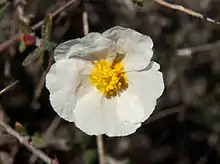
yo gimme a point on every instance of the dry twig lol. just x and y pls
(15, 39)
(190, 50)
(4, 46)
(185, 10)
(40, 85)
(165, 113)
(85, 23)
(24, 142)
(19, 5)
(8, 87)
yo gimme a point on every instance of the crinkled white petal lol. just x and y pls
(136, 47)
(91, 47)
(62, 50)
(95, 115)
(148, 86)
(113, 125)
(114, 33)
(89, 115)
(63, 82)
(129, 107)
(63, 103)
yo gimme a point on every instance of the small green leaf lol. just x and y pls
(90, 156)
(21, 47)
(2, 9)
(32, 57)
(46, 29)
(20, 129)
(38, 141)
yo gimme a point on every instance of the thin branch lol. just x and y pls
(52, 128)
(9, 86)
(2, 10)
(100, 147)
(10, 42)
(15, 39)
(56, 12)
(85, 23)
(25, 142)
(185, 10)
(40, 85)
(20, 4)
(190, 50)
(165, 113)
(2, 115)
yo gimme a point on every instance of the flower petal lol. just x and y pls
(136, 47)
(63, 103)
(62, 50)
(129, 107)
(95, 115)
(113, 125)
(148, 86)
(91, 47)
(63, 81)
(114, 33)
(89, 115)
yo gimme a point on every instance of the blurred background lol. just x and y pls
(185, 126)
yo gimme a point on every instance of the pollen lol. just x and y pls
(109, 78)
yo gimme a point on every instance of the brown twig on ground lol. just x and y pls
(185, 10)
(25, 142)
(15, 39)
(9, 86)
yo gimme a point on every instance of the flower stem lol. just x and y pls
(100, 147)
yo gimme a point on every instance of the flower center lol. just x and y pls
(109, 77)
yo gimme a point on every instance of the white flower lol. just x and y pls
(105, 83)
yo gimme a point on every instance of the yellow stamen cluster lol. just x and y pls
(109, 79)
